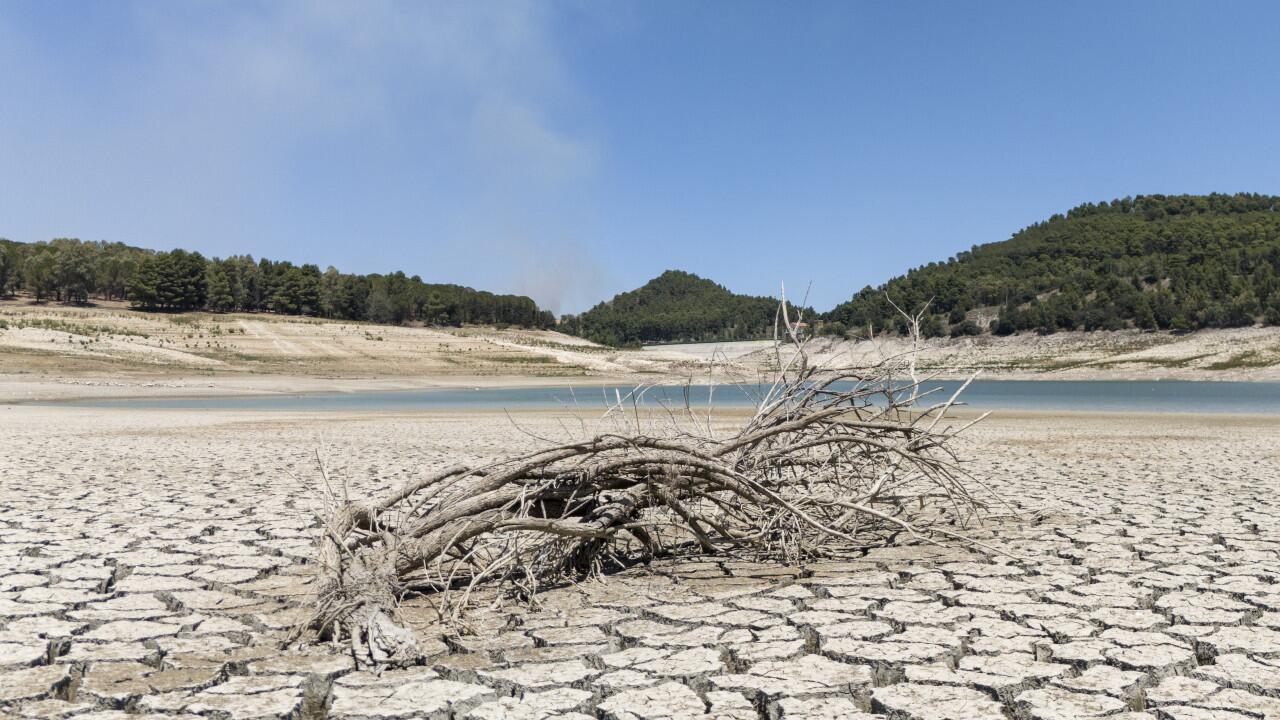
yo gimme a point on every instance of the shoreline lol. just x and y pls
(19, 390)
(305, 416)
(23, 390)
(57, 353)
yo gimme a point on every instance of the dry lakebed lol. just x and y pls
(151, 561)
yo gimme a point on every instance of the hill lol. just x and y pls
(73, 271)
(1180, 262)
(675, 307)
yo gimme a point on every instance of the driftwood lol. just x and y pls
(828, 459)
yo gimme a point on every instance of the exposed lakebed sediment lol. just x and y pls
(150, 563)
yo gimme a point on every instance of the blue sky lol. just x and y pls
(571, 150)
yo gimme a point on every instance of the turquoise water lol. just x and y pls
(1106, 396)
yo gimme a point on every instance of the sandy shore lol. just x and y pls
(1242, 354)
(53, 387)
(51, 352)
(150, 561)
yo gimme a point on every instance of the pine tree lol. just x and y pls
(143, 289)
(38, 272)
(1146, 318)
(73, 270)
(10, 263)
(219, 287)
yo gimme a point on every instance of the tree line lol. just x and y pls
(68, 270)
(1181, 262)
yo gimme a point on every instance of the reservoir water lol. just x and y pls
(1053, 395)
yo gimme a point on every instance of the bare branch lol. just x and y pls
(797, 479)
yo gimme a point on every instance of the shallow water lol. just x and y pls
(1060, 395)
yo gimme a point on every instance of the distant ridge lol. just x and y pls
(676, 306)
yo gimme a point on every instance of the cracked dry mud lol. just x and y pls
(151, 561)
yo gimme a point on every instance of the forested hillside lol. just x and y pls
(1179, 262)
(675, 307)
(75, 271)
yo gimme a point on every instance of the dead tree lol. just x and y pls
(829, 458)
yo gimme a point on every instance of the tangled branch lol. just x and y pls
(829, 460)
